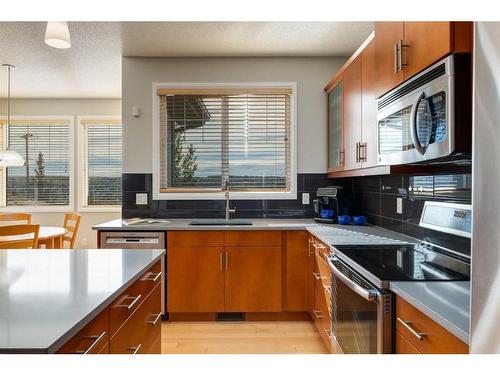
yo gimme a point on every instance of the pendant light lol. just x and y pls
(57, 35)
(10, 158)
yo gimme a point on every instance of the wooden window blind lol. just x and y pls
(102, 162)
(210, 135)
(44, 180)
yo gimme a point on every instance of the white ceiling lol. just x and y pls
(92, 67)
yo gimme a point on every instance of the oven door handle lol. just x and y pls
(368, 294)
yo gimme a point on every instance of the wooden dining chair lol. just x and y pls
(20, 218)
(23, 236)
(71, 224)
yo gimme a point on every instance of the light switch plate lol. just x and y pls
(305, 198)
(141, 199)
(399, 205)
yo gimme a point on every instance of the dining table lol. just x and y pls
(51, 237)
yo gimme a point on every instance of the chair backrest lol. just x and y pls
(71, 224)
(23, 236)
(16, 217)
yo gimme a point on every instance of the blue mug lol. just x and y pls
(359, 220)
(344, 219)
(326, 214)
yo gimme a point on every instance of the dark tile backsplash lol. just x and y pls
(376, 198)
(133, 183)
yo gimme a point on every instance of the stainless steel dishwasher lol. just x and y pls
(138, 240)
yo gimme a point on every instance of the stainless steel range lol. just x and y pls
(362, 308)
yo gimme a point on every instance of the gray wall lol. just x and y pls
(68, 107)
(310, 73)
(485, 303)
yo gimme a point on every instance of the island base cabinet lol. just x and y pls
(140, 332)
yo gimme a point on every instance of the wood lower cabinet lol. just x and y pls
(195, 279)
(253, 279)
(243, 273)
(136, 332)
(298, 266)
(415, 331)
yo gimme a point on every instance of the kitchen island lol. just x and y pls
(80, 301)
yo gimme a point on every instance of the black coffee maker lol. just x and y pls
(326, 203)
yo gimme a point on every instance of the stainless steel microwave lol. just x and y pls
(428, 118)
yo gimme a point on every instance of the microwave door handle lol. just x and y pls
(413, 124)
(367, 294)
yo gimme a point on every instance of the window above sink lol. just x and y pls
(204, 134)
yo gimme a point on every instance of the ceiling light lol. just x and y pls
(10, 158)
(57, 35)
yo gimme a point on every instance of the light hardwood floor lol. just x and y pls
(240, 338)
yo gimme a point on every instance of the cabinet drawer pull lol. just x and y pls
(328, 334)
(320, 247)
(155, 320)
(419, 335)
(319, 277)
(96, 339)
(157, 276)
(135, 299)
(328, 289)
(317, 314)
(135, 349)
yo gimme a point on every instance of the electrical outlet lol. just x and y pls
(141, 199)
(399, 205)
(305, 198)
(84, 241)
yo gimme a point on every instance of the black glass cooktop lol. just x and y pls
(404, 262)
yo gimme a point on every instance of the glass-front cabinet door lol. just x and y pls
(335, 128)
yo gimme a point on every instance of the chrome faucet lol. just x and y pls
(229, 211)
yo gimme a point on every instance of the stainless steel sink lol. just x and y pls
(221, 222)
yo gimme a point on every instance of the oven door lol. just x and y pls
(361, 313)
(419, 126)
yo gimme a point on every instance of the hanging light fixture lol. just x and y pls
(57, 35)
(10, 158)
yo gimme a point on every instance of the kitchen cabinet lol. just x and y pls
(368, 152)
(416, 332)
(352, 113)
(253, 279)
(403, 49)
(336, 153)
(195, 279)
(136, 331)
(298, 276)
(238, 271)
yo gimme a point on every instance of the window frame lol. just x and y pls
(53, 208)
(243, 195)
(82, 207)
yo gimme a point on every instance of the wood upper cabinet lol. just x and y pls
(195, 279)
(387, 37)
(352, 114)
(368, 148)
(336, 126)
(403, 49)
(253, 279)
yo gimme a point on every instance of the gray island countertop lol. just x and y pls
(47, 296)
(446, 302)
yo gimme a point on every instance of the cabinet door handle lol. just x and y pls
(221, 261)
(419, 335)
(94, 343)
(396, 54)
(227, 260)
(135, 349)
(357, 152)
(328, 334)
(309, 247)
(400, 53)
(328, 289)
(155, 320)
(318, 276)
(134, 301)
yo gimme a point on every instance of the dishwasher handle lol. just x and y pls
(132, 240)
(368, 294)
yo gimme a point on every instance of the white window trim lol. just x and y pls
(82, 207)
(68, 208)
(157, 195)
